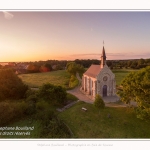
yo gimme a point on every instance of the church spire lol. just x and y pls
(103, 57)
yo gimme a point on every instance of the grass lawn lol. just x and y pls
(92, 124)
(35, 133)
(121, 73)
(60, 77)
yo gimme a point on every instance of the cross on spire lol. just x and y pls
(103, 42)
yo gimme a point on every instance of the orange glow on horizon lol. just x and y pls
(34, 36)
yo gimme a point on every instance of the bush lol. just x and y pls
(55, 128)
(42, 105)
(30, 92)
(11, 111)
(99, 103)
(31, 100)
(44, 113)
(53, 94)
(73, 81)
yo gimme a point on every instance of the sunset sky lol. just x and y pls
(69, 35)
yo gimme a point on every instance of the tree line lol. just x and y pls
(117, 64)
(35, 67)
(52, 65)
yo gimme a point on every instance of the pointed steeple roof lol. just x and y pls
(103, 58)
(103, 53)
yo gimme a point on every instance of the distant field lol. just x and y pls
(60, 77)
(122, 122)
(120, 74)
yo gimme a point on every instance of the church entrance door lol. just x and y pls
(104, 90)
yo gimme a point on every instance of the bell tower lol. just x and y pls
(103, 57)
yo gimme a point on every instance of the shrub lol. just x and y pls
(99, 103)
(30, 92)
(55, 128)
(11, 111)
(73, 81)
(53, 94)
(42, 105)
(31, 102)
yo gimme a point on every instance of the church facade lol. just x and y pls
(99, 79)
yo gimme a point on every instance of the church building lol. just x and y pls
(99, 79)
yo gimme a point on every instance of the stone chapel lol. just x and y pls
(99, 79)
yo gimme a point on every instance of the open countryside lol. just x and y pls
(57, 80)
(62, 77)
(111, 122)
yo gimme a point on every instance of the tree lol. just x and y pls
(129, 63)
(45, 68)
(99, 103)
(11, 86)
(53, 94)
(141, 61)
(136, 87)
(73, 68)
(48, 66)
(33, 68)
(134, 64)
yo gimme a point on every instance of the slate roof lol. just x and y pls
(93, 71)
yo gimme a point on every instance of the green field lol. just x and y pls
(60, 77)
(90, 124)
(120, 74)
(121, 123)
(36, 128)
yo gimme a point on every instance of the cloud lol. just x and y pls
(8, 15)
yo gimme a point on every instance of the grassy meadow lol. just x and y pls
(121, 73)
(60, 77)
(122, 122)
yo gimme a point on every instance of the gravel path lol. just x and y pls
(76, 92)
